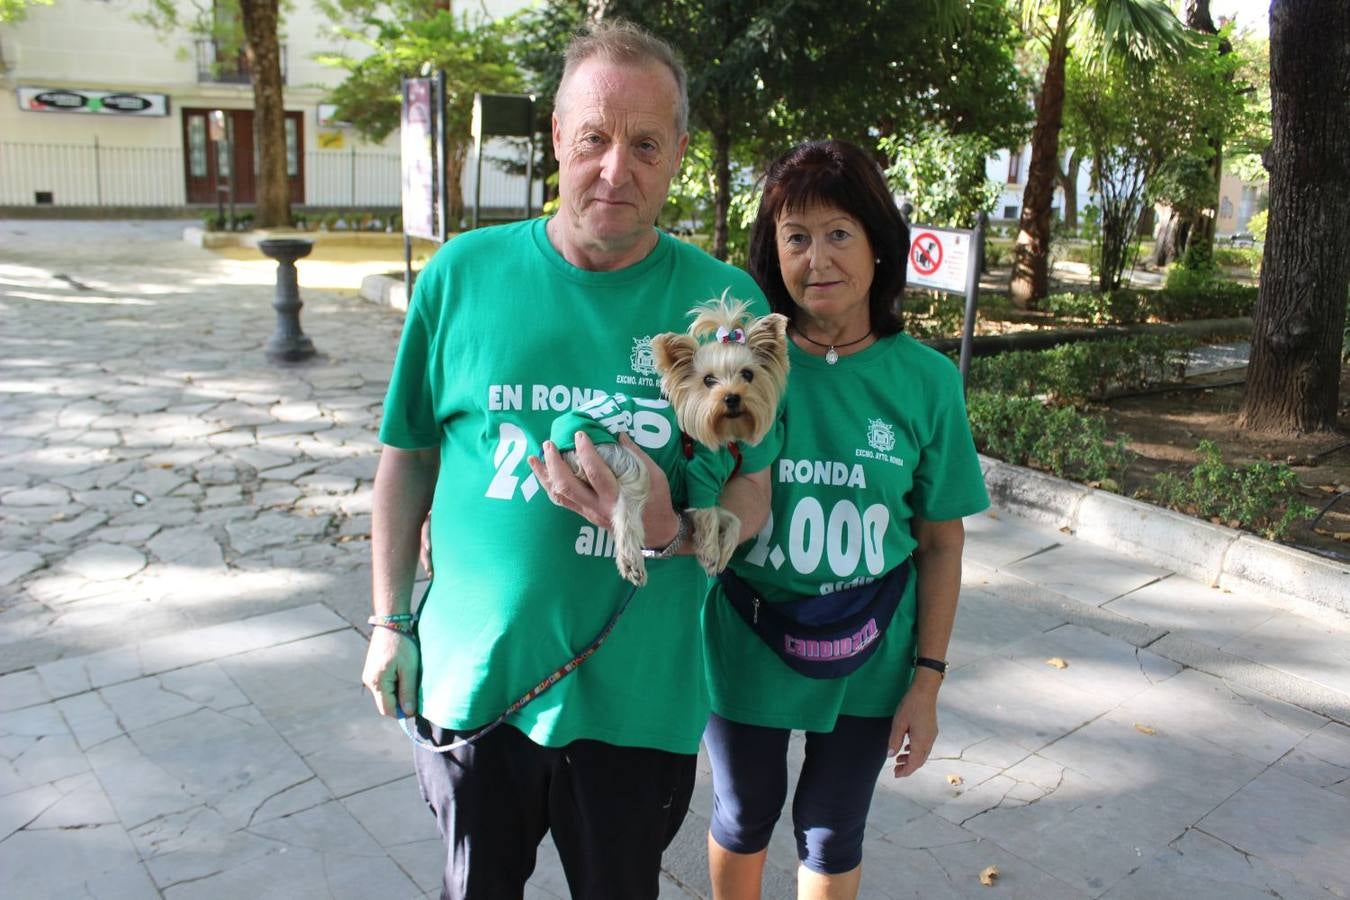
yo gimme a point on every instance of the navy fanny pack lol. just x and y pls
(826, 636)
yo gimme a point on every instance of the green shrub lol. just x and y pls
(1080, 372)
(1117, 307)
(934, 314)
(1257, 225)
(1259, 497)
(1247, 258)
(996, 253)
(1191, 294)
(1024, 432)
(1078, 253)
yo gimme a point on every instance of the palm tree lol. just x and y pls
(1138, 30)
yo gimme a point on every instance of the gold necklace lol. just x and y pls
(831, 354)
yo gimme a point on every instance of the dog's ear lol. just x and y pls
(767, 337)
(670, 351)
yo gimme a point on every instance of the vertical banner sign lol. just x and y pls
(418, 159)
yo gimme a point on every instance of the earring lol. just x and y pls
(878, 260)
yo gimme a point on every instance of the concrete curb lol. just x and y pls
(385, 291)
(1212, 554)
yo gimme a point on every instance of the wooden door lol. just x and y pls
(207, 169)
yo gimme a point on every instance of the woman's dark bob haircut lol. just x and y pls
(837, 174)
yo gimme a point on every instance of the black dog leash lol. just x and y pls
(410, 727)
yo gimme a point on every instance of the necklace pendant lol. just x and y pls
(831, 356)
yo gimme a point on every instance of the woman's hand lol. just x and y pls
(916, 719)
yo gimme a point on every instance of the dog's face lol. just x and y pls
(726, 386)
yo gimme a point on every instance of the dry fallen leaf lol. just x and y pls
(988, 875)
(1144, 729)
(955, 779)
(1056, 662)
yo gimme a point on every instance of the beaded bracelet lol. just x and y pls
(406, 632)
(404, 623)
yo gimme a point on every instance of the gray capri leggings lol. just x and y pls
(834, 790)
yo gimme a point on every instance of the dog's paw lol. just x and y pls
(632, 567)
(707, 540)
(728, 533)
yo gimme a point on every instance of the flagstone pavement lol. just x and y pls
(184, 543)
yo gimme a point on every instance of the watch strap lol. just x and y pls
(681, 535)
(937, 665)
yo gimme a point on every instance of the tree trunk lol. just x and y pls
(273, 204)
(722, 189)
(1293, 380)
(1143, 229)
(1068, 183)
(456, 154)
(1031, 256)
(1199, 247)
(1161, 257)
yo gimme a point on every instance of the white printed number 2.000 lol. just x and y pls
(512, 443)
(847, 538)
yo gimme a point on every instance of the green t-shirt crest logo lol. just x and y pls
(880, 435)
(642, 360)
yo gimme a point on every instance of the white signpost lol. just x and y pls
(950, 260)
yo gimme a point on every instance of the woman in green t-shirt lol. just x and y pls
(835, 620)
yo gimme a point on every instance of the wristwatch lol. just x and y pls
(681, 535)
(937, 665)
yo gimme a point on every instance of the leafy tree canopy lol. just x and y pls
(17, 10)
(474, 55)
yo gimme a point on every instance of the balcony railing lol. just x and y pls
(217, 67)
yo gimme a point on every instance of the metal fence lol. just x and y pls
(91, 174)
(95, 174)
(351, 178)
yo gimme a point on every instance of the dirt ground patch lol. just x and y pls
(1164, 428)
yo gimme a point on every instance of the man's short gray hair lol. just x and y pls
(624, 43)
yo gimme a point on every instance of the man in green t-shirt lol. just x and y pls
(509, 327)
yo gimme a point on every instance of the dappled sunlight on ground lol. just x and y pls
(331, 266)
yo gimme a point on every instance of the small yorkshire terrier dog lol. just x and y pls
(724, 378)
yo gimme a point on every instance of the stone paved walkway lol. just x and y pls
(183, 578)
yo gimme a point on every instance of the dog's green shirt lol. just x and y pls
(695, 475)
(870, 442)
(502, 336)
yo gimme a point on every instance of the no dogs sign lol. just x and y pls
(939, 259)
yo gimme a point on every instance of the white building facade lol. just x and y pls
(98, 109)
(1009, 168)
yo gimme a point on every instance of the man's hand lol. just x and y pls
(391, 671)
(593, 498)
